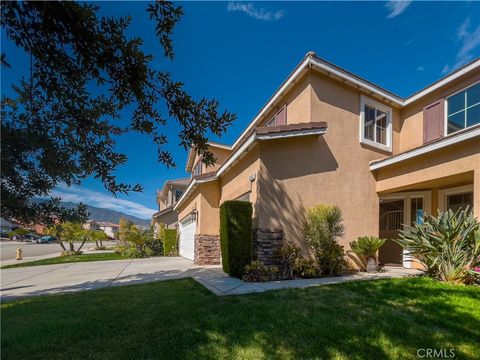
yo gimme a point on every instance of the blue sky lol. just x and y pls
(240, 52)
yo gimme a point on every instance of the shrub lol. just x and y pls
(446, 245)
(305, 268)
(322, 229)
(153, 247)
(140, 244)
(288, 255)
(170, 242)
(236, 236)
(259, 272)
(367, 247)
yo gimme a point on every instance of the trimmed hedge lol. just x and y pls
(236, 236)
(170, 243)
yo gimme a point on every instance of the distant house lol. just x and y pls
(7, 225)
(109, 228)
(167, 197)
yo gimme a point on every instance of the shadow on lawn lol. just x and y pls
(352, 320)
(385, 319)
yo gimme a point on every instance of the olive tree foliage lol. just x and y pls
(63, 119)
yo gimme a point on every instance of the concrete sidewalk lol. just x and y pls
(62, 278)
(221, 284)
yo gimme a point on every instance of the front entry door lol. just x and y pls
(392, 215)
(395, 212)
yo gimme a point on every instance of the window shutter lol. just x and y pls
(281, 116)
(433, 121)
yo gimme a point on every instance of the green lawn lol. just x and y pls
(180, 319)
(69, 259)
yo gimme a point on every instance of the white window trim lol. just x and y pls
(445, 117)
(388, 110)
(442, 194)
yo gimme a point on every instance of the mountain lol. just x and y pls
(101, 214)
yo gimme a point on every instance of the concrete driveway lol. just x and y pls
(49, 279)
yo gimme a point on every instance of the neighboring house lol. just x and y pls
(109, 228)
(7, 225)
(328, 136)
(167, 197)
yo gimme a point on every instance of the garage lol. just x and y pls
(187, 238)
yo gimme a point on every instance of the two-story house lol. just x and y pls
(329, 136)
(167, 197)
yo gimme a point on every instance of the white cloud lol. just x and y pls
(101, 200)
(409, 42)
(395, 8)
(469, 40)
(420, 68)
(254, 12)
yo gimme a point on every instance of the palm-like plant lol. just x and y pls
(323, 228)
(98, 236)
(446, 245)
(138, 238)
(367, 247)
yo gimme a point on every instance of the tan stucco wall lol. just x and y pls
(412, 115)
(169, 219)
(235, 182)
(456, 164)
(297, 100)
(332, 169)
(204, 199)
(221, 155)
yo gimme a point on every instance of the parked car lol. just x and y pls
(30, 237)
(46, 239)
(4, 234)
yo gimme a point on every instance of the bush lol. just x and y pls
(324, 226)
(154, 247)
(367, 247)
(236, 236)
(288, 255)
(305, 268)
(140, 244)
(258, 272)
(447, 245)
(170, 242)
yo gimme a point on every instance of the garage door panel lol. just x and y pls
(187, 239)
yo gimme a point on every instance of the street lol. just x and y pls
(8, 248)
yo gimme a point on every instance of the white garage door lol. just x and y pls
(187, 234)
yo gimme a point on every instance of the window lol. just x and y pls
(197, 170)
(416, 211)
(178, 194)
(463, 109)
(375, 128)
(244, 197)
(457, 201)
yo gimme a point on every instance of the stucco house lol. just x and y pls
(167, 197)
(109, 228)
(329, 136)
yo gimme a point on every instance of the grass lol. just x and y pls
(69, 259)
(180, 319)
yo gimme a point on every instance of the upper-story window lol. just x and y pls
(197, 170)
(178, 194)
(375, 124)
(463, 109)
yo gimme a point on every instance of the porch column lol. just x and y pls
(476, 193)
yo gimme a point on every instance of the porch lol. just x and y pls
(423, 181)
